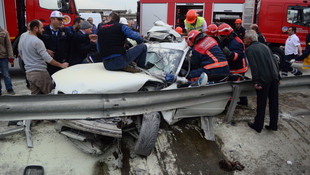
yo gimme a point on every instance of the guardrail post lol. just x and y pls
(233, 103)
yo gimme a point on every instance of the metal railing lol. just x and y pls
(86, 106)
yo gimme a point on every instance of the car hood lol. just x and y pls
(95, 79)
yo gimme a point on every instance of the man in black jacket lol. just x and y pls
(260, 36)
(266, 79)
(82, 44)
(56, 40)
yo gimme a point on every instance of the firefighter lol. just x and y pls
(240, 31)
(234, 50)
(207, 56)
(179, 30)
(212, 32)
(194, 22)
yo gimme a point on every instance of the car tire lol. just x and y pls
(148, 134)
(278, 54)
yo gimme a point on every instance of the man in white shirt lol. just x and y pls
(292, 50)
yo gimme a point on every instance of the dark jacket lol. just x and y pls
(261, 38)
(60, 44)
(80, 48)
(264, 68)
(112, 39)
(207, 57)
(240, 32)
(236, 60)
(307, 50)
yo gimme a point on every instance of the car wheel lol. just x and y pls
(148, 134)
(278, 54)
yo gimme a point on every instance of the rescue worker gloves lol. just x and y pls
(191, 16)
(226, 51)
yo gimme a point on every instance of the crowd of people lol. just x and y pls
(217, 49)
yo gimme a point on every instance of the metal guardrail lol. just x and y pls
(86, 106)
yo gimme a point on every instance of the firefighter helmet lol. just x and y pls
(191, 16)
(191, 36)
(211, 30)
(224, 29)
(238, 21)
(179, 30)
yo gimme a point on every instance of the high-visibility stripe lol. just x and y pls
(236, 56)
(239, 71)
(12, 37)
(212, 56)
(194, 79)
(216, 65)
(243, 62)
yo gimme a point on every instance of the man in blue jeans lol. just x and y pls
(111, 42)
(5, 53)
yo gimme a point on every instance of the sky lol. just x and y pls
(107, 4)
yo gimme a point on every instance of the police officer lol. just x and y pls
(234, 50)
(207, 56)
(194, 22)
(56, 40)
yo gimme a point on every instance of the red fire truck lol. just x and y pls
(273, 16)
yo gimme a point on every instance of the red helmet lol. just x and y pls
(211, 30)
(191, 36)
(224, 29)
(191, 16)
(179, 30)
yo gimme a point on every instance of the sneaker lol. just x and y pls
(131, 69)
(11, 91)
(284, 74)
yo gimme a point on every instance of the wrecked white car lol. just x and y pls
(167, 52)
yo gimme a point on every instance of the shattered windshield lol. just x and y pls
(159, 59)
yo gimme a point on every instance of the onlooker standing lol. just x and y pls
(292, 50)
(239, 29)
(131, 25)
(261, 37)
(35, 57)
(266, 79)
(76, 25)
(6, 52)
(82, 44)
(104, 21)
(94, 28)
(56, 40)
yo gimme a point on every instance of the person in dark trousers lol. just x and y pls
(56, 40)
(76, 25)
(261, 37)
(292, 50)
(239, 29)
(6, 52)
(83, 43)
(111, 42)
(207, 56)
(266, 79)
(234, 50)
(306, 53)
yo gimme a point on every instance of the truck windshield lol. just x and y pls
(49, 4)
(298, 15)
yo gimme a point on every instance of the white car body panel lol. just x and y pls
(95, 79)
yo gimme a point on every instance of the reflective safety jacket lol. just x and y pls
(207, 57)
(236, 60)
(198, 26)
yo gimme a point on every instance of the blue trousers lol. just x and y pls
(137, 54)
(4, 66)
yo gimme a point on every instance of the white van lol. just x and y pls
(96, 17)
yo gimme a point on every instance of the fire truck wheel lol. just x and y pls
(148, 134)
(278, 54)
